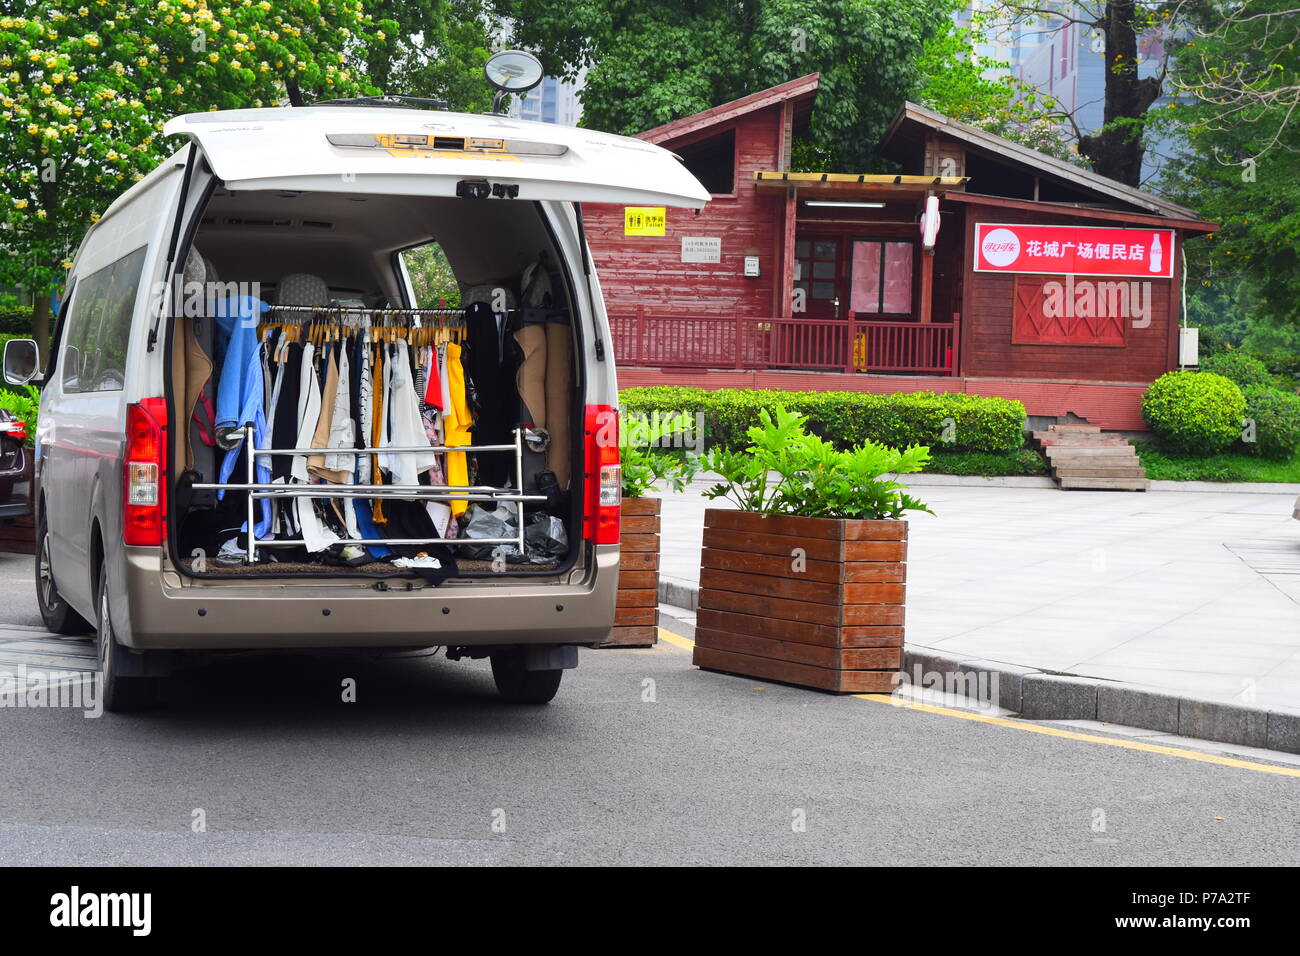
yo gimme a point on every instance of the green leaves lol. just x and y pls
(1241, 164)
(25, 402)
(785, 470)
(644, 467)
(1198, 412)
(84, 91)
(955, 421)
(652, 63)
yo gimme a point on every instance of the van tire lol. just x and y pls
(517, 685)
(119, 694)
(56, 613)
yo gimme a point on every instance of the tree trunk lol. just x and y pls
(1116, 150)
(41, 325)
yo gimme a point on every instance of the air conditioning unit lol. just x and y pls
(1189, 346)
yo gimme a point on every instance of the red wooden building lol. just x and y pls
(1045, 282)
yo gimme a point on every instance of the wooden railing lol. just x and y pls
(727, 342)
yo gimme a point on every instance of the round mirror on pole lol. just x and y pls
(512, 71)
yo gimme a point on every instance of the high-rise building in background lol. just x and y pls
(553, 101)
(1067, 61)
(1000, 40)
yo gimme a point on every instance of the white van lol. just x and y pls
(306, 222)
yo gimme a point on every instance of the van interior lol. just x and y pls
(342, 360)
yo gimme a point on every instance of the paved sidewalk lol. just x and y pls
(1194, 593)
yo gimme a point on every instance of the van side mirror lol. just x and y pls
(21, 361)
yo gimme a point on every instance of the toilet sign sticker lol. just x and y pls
(645, 220)
(1074, 250)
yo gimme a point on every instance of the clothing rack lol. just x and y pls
(326, 311)
(356, 317)
(258, 490)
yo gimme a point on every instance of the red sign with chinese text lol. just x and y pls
(1074, 250)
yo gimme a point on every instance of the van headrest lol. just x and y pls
(490, 294)
(301, 288)
(195, 271)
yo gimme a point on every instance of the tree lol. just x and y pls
(651, 63)
(979, 91)
(437, 49)
(84, 92)
(1237, 73)
(1116, 149)
(432, 278)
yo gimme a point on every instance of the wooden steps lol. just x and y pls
(1083, 457)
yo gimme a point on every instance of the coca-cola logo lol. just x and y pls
(1001, 247)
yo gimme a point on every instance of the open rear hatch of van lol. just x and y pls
(431, 260)
(421, 153)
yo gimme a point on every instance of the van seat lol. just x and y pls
(302, 288)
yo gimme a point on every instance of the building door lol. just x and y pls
(820, 277)
(881, 278)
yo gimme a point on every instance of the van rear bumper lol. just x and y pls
(248, 615)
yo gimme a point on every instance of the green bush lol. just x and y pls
(988, 464)
(1197, 412)
(16, 322)
(1287, 367)
(1244, 369)
(1276, 418)
(943, 421)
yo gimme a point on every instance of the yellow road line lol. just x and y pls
(676, 640)
(1183, 752)
(1186, 754)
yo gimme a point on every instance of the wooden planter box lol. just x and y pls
(831, 619)
(636, 617)
(18, 535)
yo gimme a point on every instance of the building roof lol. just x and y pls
(1192, 225)
(913, 122)
(800, 92)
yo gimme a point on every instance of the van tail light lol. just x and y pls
(15, 430)
(603, 487)
(144, 482)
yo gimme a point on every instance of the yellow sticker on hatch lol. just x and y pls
(644, 220)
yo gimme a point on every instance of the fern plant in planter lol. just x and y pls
(804, 581)
(645, 467)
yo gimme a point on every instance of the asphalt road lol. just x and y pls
(428, 767)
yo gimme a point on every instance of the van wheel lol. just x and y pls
(57, 613)
(120, 694)
(519, 686)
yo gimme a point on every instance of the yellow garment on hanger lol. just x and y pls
(456, 426)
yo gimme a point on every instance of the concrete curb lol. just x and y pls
(679, 593)
(1248, 487)
(1044, 695)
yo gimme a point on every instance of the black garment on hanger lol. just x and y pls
(410, 519)
(354, 389)
(284, 426)
(491, 360)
